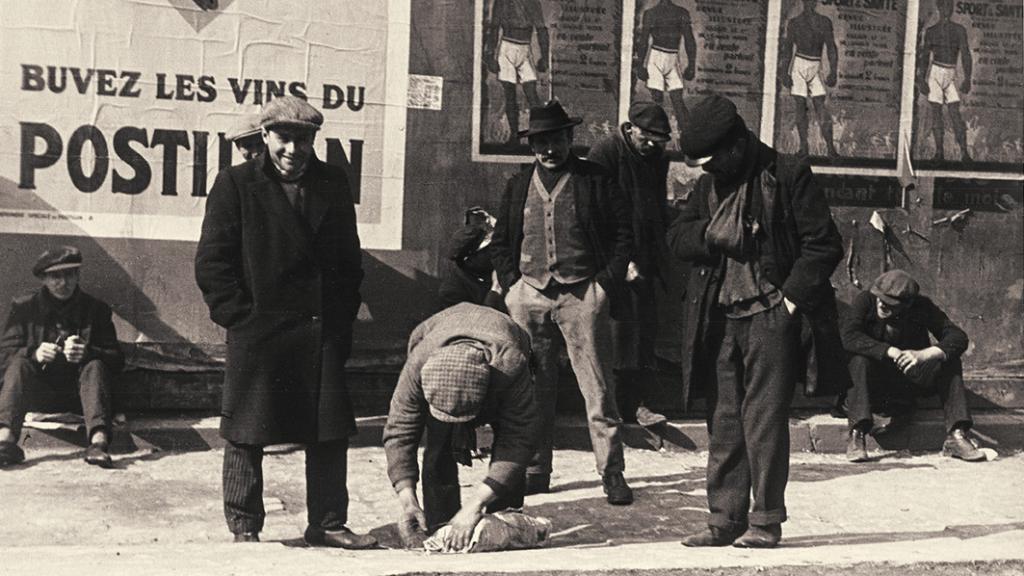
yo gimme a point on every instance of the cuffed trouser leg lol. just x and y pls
(94, 383)
(749, 445)
(858, 397)
(243, 487)
(327, 484)
(18, 376)
(441, 494)
(582, 313)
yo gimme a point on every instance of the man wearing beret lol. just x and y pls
(247, 136)
(635, 155)
(59, 350)
(763, 246)
(892, 360)
(279, 266)
(560, 249)
(468, 365)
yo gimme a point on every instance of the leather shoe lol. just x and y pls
(538, 484)
(247, 537)
(619, 493)
(649, 418)
(760, 537)
(10, 454)
(957, 445)
(856, 447)
(96, 454)
(341, 538)
(711, 536)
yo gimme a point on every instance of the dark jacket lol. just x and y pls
(39, 318)
(509, 403)
(602, 211)
(863, 331)
(468, 275)
(644, 181)
(799, 248)
(286, 288)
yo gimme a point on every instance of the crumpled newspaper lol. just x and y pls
(507, 530)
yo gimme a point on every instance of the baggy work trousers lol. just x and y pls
(59, 387)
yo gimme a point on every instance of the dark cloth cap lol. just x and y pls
(55, 259)
(549, 117)
(290, 111)
(455, 380)
(651, 118)
(248, 125)
(895, 287)
(711, 121)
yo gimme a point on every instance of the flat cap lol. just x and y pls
(712, 121)
(895, 287)
(55, 259)
(248, 125)
(455, 380)
(290, 111)
(651, 118)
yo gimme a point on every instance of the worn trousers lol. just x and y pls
(59, 387)
(636, 379)
(442, 498)
(326, 486)
(749, 427)
(581, 314)
(878, 385)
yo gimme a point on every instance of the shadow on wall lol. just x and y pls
(394, 302)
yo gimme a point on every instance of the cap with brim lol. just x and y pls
(712, 122)
(895, 287)
(652, 119)
(455, 380)
(290, 112)
(248, 125)
(550, 117)
(57, 259)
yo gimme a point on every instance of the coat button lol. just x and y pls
(315, 318)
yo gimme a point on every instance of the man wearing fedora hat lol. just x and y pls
(635, 155)
(467, 365)
(279, 266)
(763, 246)
(892, 360)
(59, 351)
(560, 249)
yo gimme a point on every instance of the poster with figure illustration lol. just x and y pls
(839, 81)
(532, 51)
(969, 86)
(682, 48)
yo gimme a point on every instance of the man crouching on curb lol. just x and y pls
(467, 365)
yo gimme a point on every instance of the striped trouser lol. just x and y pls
(326, 489)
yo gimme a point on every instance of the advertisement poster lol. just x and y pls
(116, 113)
(969, 86)
(687, 47)
(532, 51)
(840, 79)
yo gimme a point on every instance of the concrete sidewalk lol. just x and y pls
(159, 512)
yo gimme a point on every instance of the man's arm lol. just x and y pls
(833, 56)
(407, 418)
(853, 323)
(103, 344)
(785, 57)
(350, 265)
(690, 45)
(218, 262)
(950, 338)
(515, 435)
(619, 210)
(965, 59)
(501, 242)
(685, 235)
(14, 341)
(924, 53)
(543, 38)
(491, 36)
(640, 40)
(821, 246)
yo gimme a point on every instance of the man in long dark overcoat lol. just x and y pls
(763, 246)
(279, 265)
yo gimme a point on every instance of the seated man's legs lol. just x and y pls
(94, 384)
(949, 385)
(19, 378)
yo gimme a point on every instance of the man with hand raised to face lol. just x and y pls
(279, 266)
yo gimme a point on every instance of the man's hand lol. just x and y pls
(461, 528)
(633, 272)
(922, 86)
(785, 79)
(965, 86)
(641, 71)
(542, 65)
(831, 79)
(689, 73)
(412, 522)
(46, 352)
(893, 353)
(74, 349)
(919, 365)
(492, 65)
